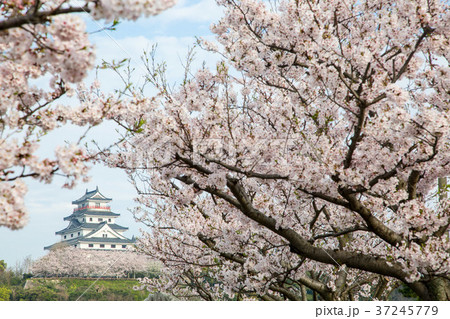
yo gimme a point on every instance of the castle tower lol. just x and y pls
(92, 225)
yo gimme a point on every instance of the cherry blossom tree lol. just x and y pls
(45, 42)
(308, 159)
(75, 262)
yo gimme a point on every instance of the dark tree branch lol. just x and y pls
(340, 233)
(286, 292)
(246, 173)
(356, 136)
(36, 17)
(193, 165)
(413, 179)
(328, 198)
(426, 31)
(373, 223)
(304, 248)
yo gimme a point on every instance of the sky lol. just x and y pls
(174, 31)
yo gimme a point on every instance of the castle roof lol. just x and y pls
(89, 212)
(93, 240)
(92, 195)
(76, 225)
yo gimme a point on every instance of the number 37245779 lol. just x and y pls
(406, 310)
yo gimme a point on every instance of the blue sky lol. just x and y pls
(174, 31)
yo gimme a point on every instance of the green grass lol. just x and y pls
(82, 289)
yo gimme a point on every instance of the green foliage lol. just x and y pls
(13, 283)
(2, 265)
(40, 294)
(138, 126)
(87, 289)
(408, 293)
(27, 276)
(5, 293)
(9, 278)
(17, 280)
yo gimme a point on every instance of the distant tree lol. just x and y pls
(40, 293)
(45, 42)
(75, 262)
(5, 293)
(311, 164)
(23, 267)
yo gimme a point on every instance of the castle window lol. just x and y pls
(100, 219)
(113, 246)
(105, 235)
(102, 246)
(78, 233)
(90, 219)
(124, 246)
(91, 245)
(65, 236)
(109, 220)
(71, 235)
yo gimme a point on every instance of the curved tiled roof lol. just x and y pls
(85, 212)
(90, 195)
(94, 240)
(107, 240)
(75, 225)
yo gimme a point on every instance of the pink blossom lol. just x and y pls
(57, 46)
(317, 161)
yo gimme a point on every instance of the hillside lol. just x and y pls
(70, 289)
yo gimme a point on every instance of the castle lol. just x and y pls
(92, 225)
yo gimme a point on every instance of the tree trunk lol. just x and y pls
(304, 293)
(436, 289)
(439, 289)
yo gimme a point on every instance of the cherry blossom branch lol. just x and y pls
(356, 135)
(355, 181)
(373, 223)
(285, 292)
(328, 198)
(426, 31)
(245, 173)
(234, 258)
(340, 233)
(38, 17)
(321, 288)
(301, 246)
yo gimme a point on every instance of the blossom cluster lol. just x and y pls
(110, 10)
(13, 207)
(75, 262)
(39, 63)
(318, 158)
